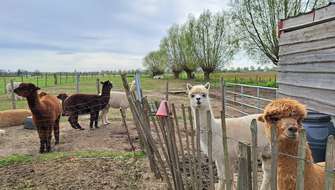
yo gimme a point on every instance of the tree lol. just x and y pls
(213, 43)
(256, 22)
(169, 44)
(156, 62)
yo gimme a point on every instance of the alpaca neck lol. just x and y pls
(34, 103)
(105, 91)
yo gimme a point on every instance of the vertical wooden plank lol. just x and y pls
(253, 128)
(301, 160)
(210, 151)
(97, 84)
(193, 155)
(329, 170)
(36, 80)
(167, 90)
(5, 85)
(242, 182)
(188, 150)
(274, 157)
(13, 94)
(199, 160)
(45, 79)
(224, 139)
(126, 127)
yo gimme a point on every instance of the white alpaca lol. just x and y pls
(10, 90)
(117, 100)
(237, 128)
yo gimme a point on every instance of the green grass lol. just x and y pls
(88, 83)
(16, 159)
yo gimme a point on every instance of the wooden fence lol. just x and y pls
(172, 144)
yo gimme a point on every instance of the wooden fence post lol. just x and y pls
(13, 95)
(36, 80)
(301, 160)
(5, 85)
(210, 151)
(77, 82)
(55, 79)
(274, 157)
(21, 78)
(253, 128)
(60, 78)
(199, 169)
(45, 79)
(98, 86)
(243, 182)
(329, 170)
(224, 139)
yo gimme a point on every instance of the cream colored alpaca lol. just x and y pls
(237, 128)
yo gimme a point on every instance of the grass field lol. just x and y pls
(67, 83)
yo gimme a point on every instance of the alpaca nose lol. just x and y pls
(198, 98)
(293, 129)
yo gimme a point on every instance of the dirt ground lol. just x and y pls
(81, 173)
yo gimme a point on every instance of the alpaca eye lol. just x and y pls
(204, 95)
(192, 95)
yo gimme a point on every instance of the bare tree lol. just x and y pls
(256, 21)
(213, 42)
(156, 62)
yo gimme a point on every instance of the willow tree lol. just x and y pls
(257, 23)
(155, 62)
(213, 42)
(170, 45)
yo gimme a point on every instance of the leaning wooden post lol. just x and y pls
(98, 86)
(13, 95)
(329, 170)
(253, 128)
(126, 127)
(210, 151)
(274, 156)
(224, 139)
(301, 160)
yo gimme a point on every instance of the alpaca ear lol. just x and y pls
(37, 88)
(188, 86)
(207, 85)
(101, 82)
(261, 118)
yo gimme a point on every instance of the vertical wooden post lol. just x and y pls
(60, 78)
(253, 128)
(126, 127)
(36, 80)
(45, 79)
(274, 157)
(13, 95)
(55, 79)
(224, 139)
(243, 182)
(5, 85)
(21, 78)
(210, 151)
(190, 165)
(301, 160)
(194, 172)
(329, 170)
(98, 86)
(167, 90)
(77, 82)
(199, 169)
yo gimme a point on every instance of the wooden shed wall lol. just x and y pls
(307, 59)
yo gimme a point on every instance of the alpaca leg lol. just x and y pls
(42, 139)
(77, 123)
(56, 131)
(96, 119)
(92, 119)
(106, 117)
(71, 120)
(48, 139)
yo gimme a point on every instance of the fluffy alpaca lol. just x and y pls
(117, 100)
(10, 90)
(15, 117)
(286, 115)
(78, 104)
(46, 111)
(237, 128)
(62, 97)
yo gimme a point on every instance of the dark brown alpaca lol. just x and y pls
(46, 111)
(78, 104)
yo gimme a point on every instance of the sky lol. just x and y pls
(90, 35)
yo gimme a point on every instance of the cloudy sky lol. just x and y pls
(90, 35)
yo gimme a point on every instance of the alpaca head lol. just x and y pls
(26, 89)
(199, 96)
(62, 96)
(106, 86)
(286, 115)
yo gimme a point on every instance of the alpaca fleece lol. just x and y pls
(46, 111)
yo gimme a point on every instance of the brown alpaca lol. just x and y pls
(286, 115)
(62, 97)
(78, 104)
(46, 111)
